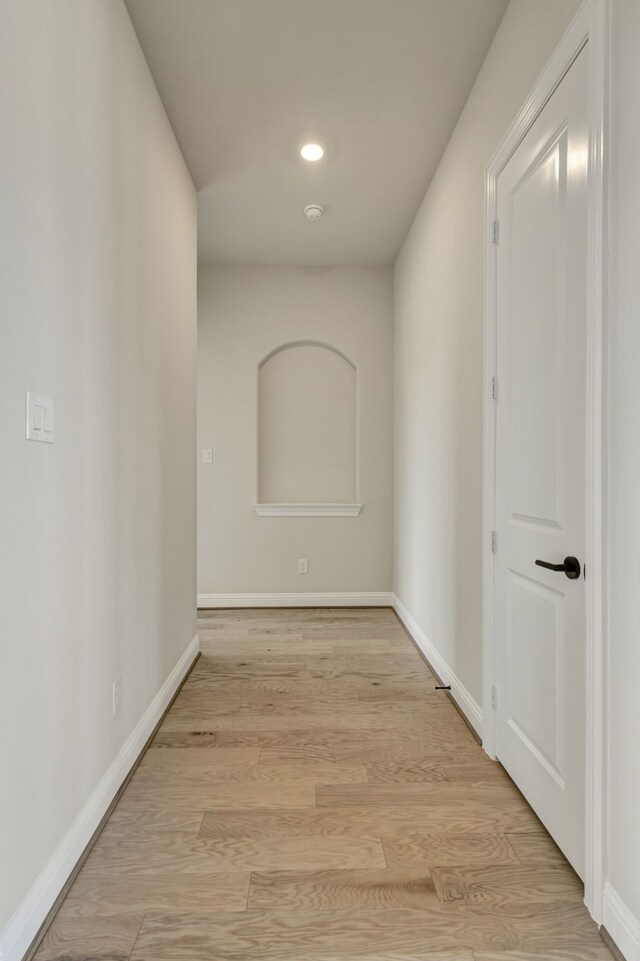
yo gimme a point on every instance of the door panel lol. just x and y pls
(537, 670)
(540, 462)
(535, 309)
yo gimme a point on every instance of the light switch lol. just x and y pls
(40, 418)
(207, 457)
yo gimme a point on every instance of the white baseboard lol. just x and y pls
(17, 937)
(361, 599)
(621, 924)
(467, 704)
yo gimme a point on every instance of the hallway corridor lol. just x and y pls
(311, 797)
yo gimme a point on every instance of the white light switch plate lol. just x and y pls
(207, 456)
(41, 413)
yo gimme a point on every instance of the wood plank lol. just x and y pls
(96, 938)
(339, 795)
(405, 770)
(206, 771)
(581, 951)
(423, 712)
(412, 724)
(297, 752)
(154, 857)
(533, 883)
(366, 645)
(411, 678)
(448, 849)
(368, 665)
(213, 740)
(209, 722)
(177, 760)
(97, 895)
(403, 762)
(252, 702)
(396, 745)
(194, 794)
(291, 646)
(476, 771)
(197, 706)
(536, 848)
(138, 822)
(376, 690)
(233, 665)
(414, 824)
(324, 890)
(359, 746)
(247, 688)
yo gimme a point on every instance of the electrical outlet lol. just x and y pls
(117, 694)
(302, 565)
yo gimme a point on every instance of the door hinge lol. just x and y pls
(495, 234)
(492, 542)
(494, 388)
(494, 697)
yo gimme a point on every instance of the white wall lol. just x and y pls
(438, 353)
(98, 311)
(243, 314)
(623, 857)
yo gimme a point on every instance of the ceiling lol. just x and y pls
(380, 82)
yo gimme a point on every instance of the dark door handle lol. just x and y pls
(570, 567)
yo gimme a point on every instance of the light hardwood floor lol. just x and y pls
(311, 797)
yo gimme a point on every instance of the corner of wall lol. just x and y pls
(461, 695)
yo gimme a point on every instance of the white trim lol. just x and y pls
(325, 345)
(307, 510)
(359, 599)
(590, 26)
(26, 922)
(467, 704)
(596, 587)
(621, 924)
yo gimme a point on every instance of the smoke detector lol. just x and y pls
(313, 211)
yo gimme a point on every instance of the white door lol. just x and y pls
(540, 463)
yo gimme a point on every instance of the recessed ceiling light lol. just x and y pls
(312, 152)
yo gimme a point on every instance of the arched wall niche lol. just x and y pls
(307, 429)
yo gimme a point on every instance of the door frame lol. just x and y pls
(590, 28)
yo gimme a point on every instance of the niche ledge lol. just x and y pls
(307, 510)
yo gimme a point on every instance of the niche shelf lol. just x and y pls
(307, 510)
